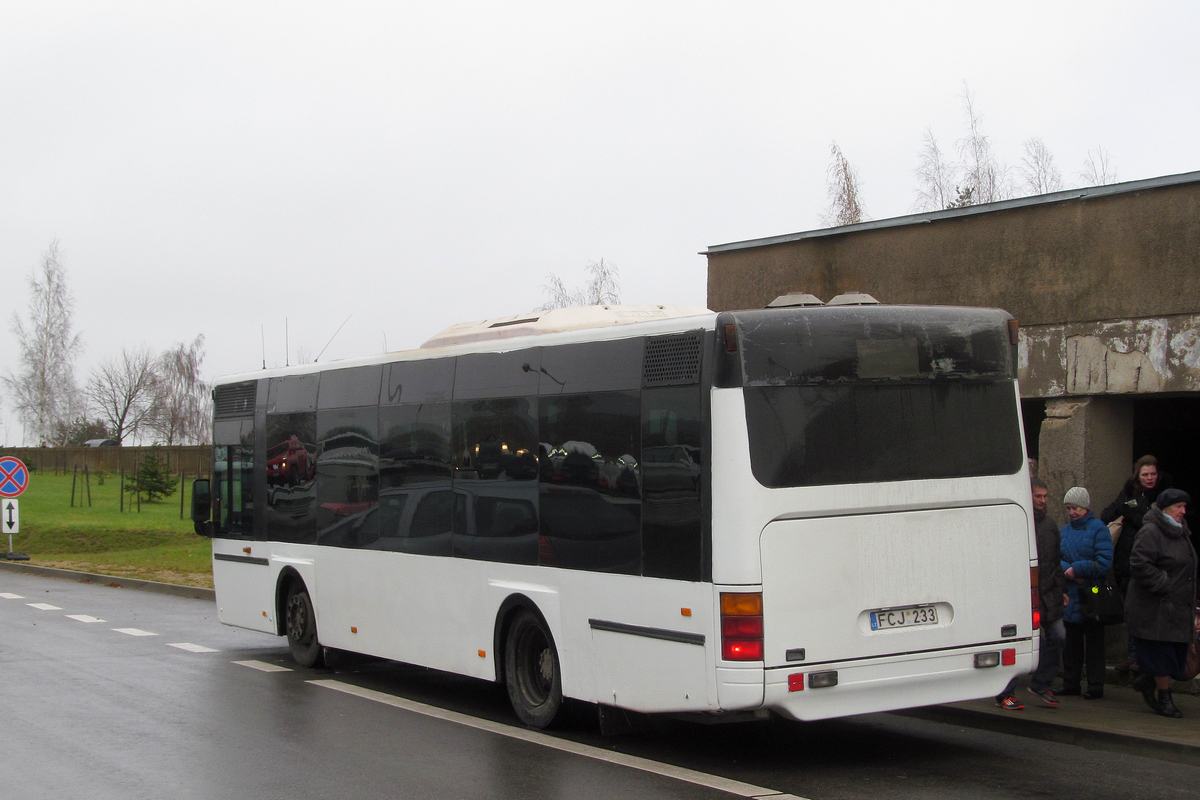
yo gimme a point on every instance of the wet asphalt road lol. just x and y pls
(87, 711)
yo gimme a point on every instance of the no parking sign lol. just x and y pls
(14, 479)
(14, 476)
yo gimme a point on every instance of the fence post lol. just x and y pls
(87, 479)
(74, 475)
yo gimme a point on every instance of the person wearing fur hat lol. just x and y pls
(1087, 555)
(1162, 596)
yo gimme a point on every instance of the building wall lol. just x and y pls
(1128, 255)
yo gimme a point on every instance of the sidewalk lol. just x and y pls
(1120, 721)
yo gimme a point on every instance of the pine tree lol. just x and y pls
(152, 477)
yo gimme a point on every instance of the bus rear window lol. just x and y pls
(874, 432)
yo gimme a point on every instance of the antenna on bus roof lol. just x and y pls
(331, 338)
(286, 345)
(262, 332)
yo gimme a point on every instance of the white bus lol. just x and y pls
(812, 511)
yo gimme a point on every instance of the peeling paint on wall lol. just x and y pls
(1095, 368)
(1138, 356)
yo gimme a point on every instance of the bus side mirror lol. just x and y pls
(201, 506)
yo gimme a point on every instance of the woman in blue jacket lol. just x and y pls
(1087, 555)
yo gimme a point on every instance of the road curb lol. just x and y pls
(110, 580)
(1033, 728)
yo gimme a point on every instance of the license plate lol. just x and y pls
(903, 617)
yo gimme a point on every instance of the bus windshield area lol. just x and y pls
(869, 394)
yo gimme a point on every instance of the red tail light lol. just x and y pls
(1035, 598)
(546, 555)
(741, 626)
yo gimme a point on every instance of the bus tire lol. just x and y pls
(531, 671)
(300, 620)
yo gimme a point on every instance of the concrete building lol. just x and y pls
(1105, 282)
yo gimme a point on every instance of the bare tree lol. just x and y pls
(125, 392)
(184, 410)
(44, 392)
(982, 172)
(935, 178)
(842, 188)
(601, 289)
(1098, 169)
(1038, 169)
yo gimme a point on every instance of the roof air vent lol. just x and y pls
(794, 299)
(854, 299)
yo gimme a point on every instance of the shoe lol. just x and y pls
(1145, 685)
(1068, 691)
(1046, 697)
(1009, 703)
(1166, 705)
(1093, 694)
(1128, 665)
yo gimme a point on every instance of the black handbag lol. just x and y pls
(1100, 601)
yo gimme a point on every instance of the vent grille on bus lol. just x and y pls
(234, 400)
(672, 360)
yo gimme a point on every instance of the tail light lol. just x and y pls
(741, 626)
(546, 555)
(1035, 598)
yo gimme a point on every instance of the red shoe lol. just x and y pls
(1047, 697)
(1009, 703)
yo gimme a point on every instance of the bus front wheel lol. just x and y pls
(531, 671)
(301, 623)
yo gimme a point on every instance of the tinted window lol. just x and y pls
(429, 381)
(872, 432)
(346, 388)
(415, 501)
(233, 479)
(295, 393)
(672, 480)
(347, 477)
(591, 482)
(592, 367)
(291, 470)
(482, 375)
(496, 468)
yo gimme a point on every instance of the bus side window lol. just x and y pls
(672, 459)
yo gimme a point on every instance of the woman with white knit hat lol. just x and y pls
(1087, 555)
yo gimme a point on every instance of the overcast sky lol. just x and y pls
(216, 167)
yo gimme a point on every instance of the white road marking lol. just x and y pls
(192, 648)
(83, 618)
(11, 596)
(44, 606)
(134, 632)
(587, 751)
(262, 666)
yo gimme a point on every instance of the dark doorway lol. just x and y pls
(1033, 413)
(1169, 429)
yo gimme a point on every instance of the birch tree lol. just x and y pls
(1038, 169)
(43, 391)
(1098, 169)
(602, 288)
(184, 411)
(842, 189)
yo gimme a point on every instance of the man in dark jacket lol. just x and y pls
(1052, 587)
(1052, 595)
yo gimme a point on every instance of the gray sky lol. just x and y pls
(216, 167)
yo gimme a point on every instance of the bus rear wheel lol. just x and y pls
(301, 622)
(531, 671)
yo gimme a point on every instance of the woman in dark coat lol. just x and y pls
(1159, 608)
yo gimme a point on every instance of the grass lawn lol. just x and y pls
(154, 544)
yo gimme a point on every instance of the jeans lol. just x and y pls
(1054, 637)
